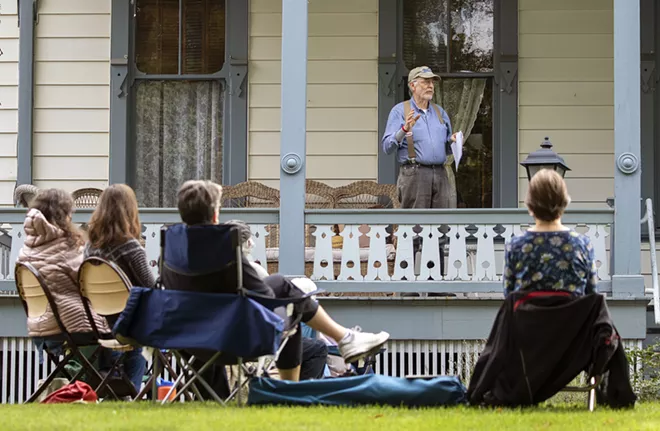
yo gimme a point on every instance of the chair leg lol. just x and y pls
(196, 375)
(154, 383)
(189, 396)
(91, 359)
(145, 389)
(239, 379)
(106, 380)
(59, 367)
(92, 371)
(592, 395)
(184, 371)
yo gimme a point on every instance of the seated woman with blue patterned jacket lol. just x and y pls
(549, 255)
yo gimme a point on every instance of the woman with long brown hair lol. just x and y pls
(114, 233)
(54, 246)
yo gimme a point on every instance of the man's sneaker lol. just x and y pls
(356, 344)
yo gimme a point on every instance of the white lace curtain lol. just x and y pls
(178, 137)
(461, 99)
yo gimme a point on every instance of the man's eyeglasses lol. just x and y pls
(426, 82)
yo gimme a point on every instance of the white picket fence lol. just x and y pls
(21, 369)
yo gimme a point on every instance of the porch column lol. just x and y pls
(26, 23)
(292, 140)
(627, 280)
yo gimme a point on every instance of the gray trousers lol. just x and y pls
(422, 186)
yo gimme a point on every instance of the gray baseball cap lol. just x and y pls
(422, 72)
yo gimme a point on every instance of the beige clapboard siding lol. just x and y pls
(557, 21)
(8, 100)
(342, 91)
(65, 144)
(318, 6)
(320, 96)
(570, 141)
(70, 185)
(566, 91)
(318, 72)
(72, 94)
(566, 94)
(566, 69)
(600, 166)
(319, 119)
(347, 167)
(564, 5)
(64, 168)
(318, 143)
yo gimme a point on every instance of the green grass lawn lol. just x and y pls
(143, 416)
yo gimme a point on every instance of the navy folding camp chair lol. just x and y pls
(234, 326)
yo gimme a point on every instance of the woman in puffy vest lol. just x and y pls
(54, 246)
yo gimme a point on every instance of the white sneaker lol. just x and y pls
(356, 344)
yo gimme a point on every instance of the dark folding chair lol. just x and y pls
(106, 288)
(592, 376)
(36, 298)
(233, 327)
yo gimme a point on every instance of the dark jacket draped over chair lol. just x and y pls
(542, 341)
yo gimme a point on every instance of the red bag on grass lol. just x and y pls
(74, 392)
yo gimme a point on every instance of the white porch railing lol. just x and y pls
(372, 250)
(468, 244)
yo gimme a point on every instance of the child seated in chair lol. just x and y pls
(199, 204)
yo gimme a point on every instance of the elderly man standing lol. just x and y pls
(420, 132)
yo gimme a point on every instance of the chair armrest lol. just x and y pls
(279, 302)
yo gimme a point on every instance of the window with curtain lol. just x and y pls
(179, 53)
(455, 38)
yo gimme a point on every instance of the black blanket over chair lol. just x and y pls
(541, 341)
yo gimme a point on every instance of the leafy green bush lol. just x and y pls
(645, 371)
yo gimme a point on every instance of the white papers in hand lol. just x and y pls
(457, 148)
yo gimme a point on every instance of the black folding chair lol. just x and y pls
(36, 298)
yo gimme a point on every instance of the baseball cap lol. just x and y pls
(422, 72)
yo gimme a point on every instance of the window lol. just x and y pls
(456, 39)
(179, 48)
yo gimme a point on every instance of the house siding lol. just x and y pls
(72, 94)
(342, 91)
(566, 76)
(8, 100)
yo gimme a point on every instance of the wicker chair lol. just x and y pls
(361, 194)
(24, 194)
(250, 194)
(86, 198)
(319, 195)
(366, 195)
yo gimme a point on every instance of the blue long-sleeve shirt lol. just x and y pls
(430, 136)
